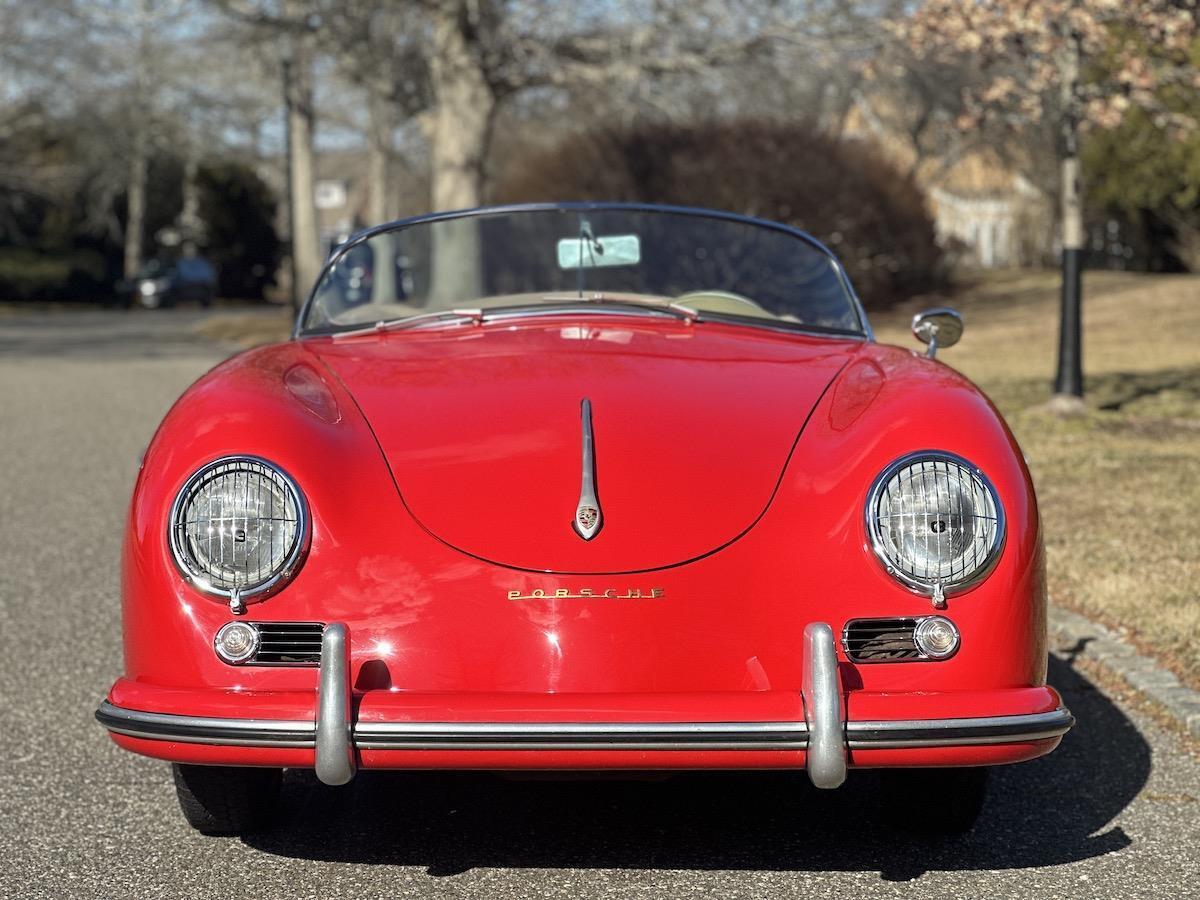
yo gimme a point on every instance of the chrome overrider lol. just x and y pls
(334, 732)
(823, 712)
(824, 734)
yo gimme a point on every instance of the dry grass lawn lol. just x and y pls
(244, 330)
(1119, 488)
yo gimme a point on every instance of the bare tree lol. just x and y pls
(466, 93)
(139, 144)
(918, 99)
(123, 40)
(297, 67)
(484, 52)
(378, 47)
(116, 84)
(294, 26)
(462, 59)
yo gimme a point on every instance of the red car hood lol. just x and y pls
(481, 426)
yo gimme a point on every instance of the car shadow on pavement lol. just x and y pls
(1050, 811)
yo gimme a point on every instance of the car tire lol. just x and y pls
(227, 799)
(943, 802)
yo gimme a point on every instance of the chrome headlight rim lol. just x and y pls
(924, 587)
(282, 575)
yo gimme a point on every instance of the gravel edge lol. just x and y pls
(1081, 637)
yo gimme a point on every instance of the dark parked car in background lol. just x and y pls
(162, 283)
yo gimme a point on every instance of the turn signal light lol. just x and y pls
(236, 642)
(936, 637)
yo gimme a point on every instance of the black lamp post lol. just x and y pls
(1068, 382)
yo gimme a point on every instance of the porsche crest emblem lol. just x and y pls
(588, 517)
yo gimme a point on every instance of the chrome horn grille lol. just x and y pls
(880, 640)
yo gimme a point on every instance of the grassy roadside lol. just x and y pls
(1119, 487)
(244, 330)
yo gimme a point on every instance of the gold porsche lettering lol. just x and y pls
(589, 594)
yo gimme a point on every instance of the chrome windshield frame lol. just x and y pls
(365, 235)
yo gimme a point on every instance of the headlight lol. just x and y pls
(238, 527)
(935, 522)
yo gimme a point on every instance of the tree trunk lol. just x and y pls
(466, 109)
(1068, 382)
(383, 269)
(298, 94)
(1186, 242)
(135, 219)
(139, 149)
(189, 217)
(381, 205)
(462, 131)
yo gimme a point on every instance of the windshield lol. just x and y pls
(519, 260)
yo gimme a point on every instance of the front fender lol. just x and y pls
(886, 404)
(281, 404)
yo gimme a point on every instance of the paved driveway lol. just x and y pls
(1113, 813)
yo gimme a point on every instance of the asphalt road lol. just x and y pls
(1113, 813)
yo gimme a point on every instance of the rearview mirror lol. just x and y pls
(590, 252)
(937, 328)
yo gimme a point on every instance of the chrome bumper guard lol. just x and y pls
(824, 734)
(822, 696)
(334, 730)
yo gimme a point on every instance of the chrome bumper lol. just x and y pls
(825, 735)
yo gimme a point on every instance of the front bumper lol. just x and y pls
(827, 741)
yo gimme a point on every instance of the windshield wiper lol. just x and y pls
(669, 307)
(475, 316)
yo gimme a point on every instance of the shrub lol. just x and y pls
(238, 209)
(51, 250)
(843, 193)
(27, 274)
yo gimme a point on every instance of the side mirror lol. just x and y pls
(937, 328)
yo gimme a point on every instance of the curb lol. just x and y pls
(1078, 636)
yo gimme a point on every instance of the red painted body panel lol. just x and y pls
(433, 633)
(481, 428)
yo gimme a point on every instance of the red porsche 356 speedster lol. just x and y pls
(583, 487)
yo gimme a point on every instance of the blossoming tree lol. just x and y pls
(1076, 64)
